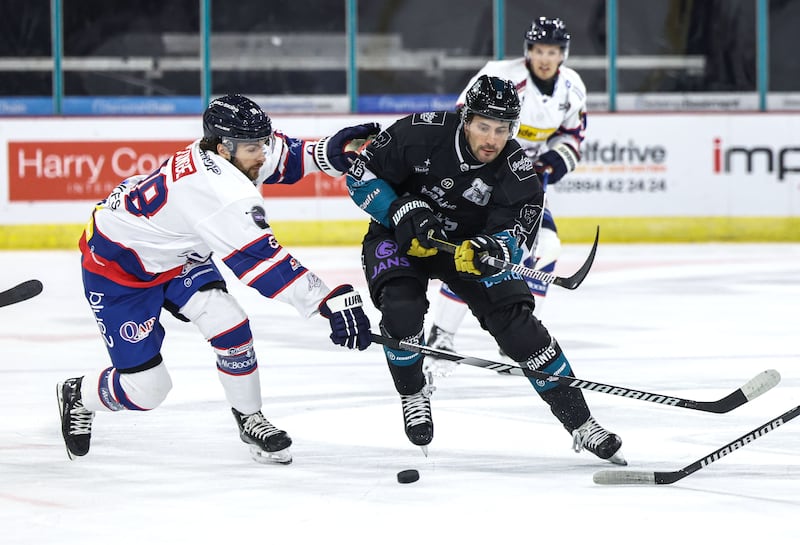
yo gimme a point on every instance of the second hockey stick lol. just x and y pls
(753, 388)
(569, 283)
(610, 476)
(20, 292)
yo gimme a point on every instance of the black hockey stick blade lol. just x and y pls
(611, 476)
(576, 279)
(569, 283)
(763, 382)
(20, 292)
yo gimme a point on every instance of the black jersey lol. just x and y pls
(426, 155)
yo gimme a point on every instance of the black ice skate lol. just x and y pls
(417, 417)
(76, 421)
(267, 443)
(599, 441)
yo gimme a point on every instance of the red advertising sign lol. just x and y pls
(65, 171)
(89, 170)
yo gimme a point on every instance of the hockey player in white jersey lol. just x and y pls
(552, 127)
(149, 244)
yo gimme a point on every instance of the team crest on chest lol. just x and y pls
(478, 192)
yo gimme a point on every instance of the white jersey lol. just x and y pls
(545, 121)
(151, 227)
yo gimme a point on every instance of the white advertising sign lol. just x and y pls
(685, 165)
(633, 165)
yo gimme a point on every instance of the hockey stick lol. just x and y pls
(610, 476)
(753, 388)
(570, 282)
(20, 292)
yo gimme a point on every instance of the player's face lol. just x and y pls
(250, 157)
(545, 60)
(486, 137)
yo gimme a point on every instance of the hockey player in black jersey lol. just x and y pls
(462, 178)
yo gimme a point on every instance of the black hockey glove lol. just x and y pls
(413, 219)
(553, 165)
(334, 154)
(468, 255)
(349, 325)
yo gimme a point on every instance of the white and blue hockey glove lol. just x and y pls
(334, 154)
(349, 325)
(556, 163)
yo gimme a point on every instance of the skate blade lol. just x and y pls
(424, 449)
(618, 459)
(60, 400)
(283, 457)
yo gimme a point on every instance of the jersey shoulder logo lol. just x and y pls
(428, 118)
(379, 141)
(182, 164)
(521, 165)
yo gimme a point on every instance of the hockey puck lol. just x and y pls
(408, 476)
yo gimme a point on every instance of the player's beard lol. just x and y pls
(252, 172)
(487, 154)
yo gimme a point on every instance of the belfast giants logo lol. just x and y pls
(527, 223)
(386, 252)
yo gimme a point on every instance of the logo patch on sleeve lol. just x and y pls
(259, 217)
(521, 165)
(428, 118)
(182, 164)
(381, 140)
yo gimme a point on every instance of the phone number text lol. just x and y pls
(613, 185)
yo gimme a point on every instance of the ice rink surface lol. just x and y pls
(696, 321)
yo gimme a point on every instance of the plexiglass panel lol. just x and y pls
(131, 49)
(411, 54)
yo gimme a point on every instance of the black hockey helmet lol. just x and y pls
(236, 118)
(550, 32)
(495, 98)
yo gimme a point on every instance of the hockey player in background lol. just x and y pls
(462, 179)
(149, 244)
(552, 126)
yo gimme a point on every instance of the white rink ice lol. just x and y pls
(696, 321)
